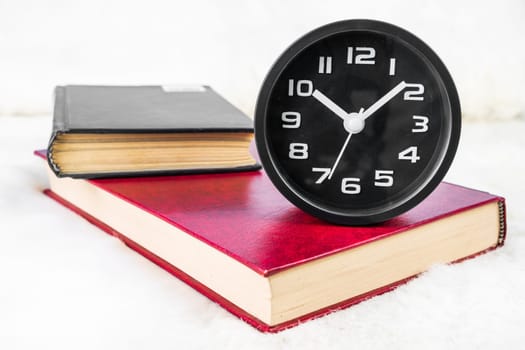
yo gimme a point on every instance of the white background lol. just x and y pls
(230, 45)
(66, 285)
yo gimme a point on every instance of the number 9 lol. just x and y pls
(291, 120)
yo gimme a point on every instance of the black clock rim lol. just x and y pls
(282, 62)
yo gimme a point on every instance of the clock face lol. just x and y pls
(357, 122)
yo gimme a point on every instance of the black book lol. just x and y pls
(108, 131)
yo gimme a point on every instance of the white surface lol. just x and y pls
(230, 45)
(65, 284)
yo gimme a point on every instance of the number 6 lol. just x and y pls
(349, 185)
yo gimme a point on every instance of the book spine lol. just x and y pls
(59, 125)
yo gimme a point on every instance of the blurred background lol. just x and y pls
(231, 44)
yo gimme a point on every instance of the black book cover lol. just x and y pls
(144, 109)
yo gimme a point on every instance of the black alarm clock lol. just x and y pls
(357, 122)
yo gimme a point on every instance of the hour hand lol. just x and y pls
(383, 100)
(319, 96)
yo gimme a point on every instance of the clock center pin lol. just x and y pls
(354, 123)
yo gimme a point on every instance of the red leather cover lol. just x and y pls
(242, 215)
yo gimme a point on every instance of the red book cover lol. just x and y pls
(243, 216)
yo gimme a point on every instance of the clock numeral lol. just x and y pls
(350, 185)
(363, 55)
(416, 94)
(325, 172)
(325, 65)
(420, 123)
(409, 154)
(384, 178)
(298, 151)
(303, 88)
(291, 120)
(392, 70)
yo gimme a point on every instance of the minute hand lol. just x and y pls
(383, 100)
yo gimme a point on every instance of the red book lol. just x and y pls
(236, 240)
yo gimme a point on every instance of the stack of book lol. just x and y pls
(220, 226)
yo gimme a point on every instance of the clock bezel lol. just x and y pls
(266, 156)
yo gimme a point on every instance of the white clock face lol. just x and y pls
(357, 123)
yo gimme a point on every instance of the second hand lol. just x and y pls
(351, 128)
(340, 155)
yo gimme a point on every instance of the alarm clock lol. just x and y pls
(357, 122)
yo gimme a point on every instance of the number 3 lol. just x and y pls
(420, 123)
